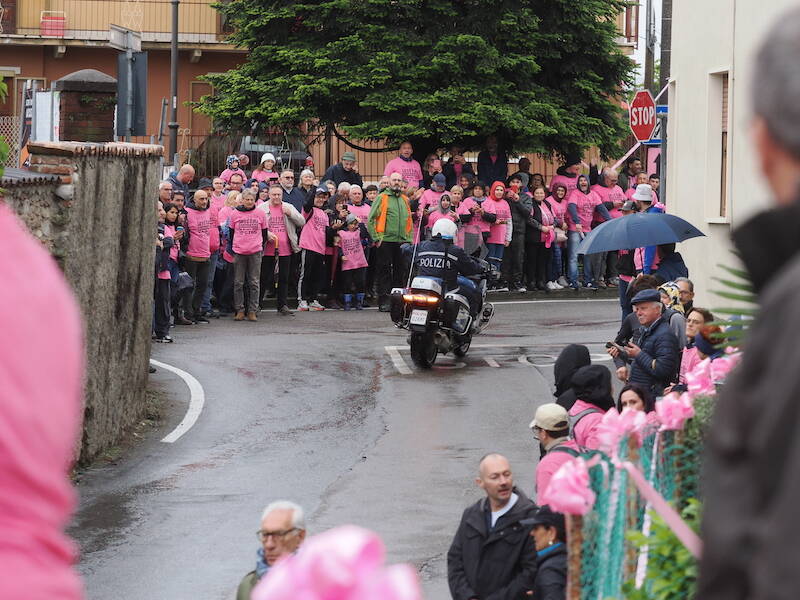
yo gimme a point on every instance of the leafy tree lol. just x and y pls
(541, 74)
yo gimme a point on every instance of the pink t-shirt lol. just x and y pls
(360, 210)
(352, 250)
(571, 183)
(559, 208)
(277, 225)
(429, 199)
(410, 170)
(313, 235)
(585, 203)
(259, 175)
(689, 360)
(199, 225)
(247, 225)
(438, 214)
(169, 231)
(614, 194)
(497, 231)
(477, 220)
(213, 232)
(227, 173)
(550, 464)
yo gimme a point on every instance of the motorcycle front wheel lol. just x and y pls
(462, 349)
(423, 350)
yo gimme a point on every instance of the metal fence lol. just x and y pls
(9, 130)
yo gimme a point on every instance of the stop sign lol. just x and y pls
(642, 115)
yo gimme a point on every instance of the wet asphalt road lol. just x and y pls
(315, 409)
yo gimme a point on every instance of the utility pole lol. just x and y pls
(173, 84)
(649, 50)
(666, 60)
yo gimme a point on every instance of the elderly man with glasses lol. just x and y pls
(291, 194)
(283, 529)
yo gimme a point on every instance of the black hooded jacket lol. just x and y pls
(551, 577)
(751, 533)
(592, 384)
(572, 358)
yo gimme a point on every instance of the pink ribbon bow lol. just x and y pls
(615, 426)
(673, 410)
(569, 491)
(345, 563)
(551, 237)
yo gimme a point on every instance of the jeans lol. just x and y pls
(598, 264)
(495, 255)
(247, 267)
(212, 272)
(161, 307)
(573, 239)
(624, 301)
(198, 270)
(556, 264)
(268, 276)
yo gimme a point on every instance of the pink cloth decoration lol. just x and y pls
(41, 367)
(723, 365)
(569, 491)
(345, 563)
(673, 410)
(551, 238)
(699, 381)
(614, 427)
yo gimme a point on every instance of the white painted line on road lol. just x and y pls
(555, 301)
(492, 362)
(196, 401)
(398, 361)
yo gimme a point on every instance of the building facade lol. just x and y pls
(712, 176)
(44, 40)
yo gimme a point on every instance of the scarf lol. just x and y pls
(380, 227)
(261, 564)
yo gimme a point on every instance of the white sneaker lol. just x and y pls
(302, 305)
(557, 286)
(315, 305)
(562, 281)
(551, 285)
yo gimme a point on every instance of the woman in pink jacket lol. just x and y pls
(592, 387)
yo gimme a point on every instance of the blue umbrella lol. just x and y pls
(636, 231)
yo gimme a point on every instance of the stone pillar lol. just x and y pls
(86, 107)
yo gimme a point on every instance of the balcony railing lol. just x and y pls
(90, 19)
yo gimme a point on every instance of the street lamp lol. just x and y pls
(173, 85)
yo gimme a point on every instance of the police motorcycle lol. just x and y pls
(439, 320)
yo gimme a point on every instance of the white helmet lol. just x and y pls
(444, 228)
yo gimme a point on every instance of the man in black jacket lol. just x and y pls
(751, 533)
(654, 353)
(492, 556)
(344, 171)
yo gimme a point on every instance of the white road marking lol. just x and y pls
(491, 362)
(399, 363)
(197, 400)
(560, 301)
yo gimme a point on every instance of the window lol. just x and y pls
(723, 183)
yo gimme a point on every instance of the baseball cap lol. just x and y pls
(205, 182)
(551, 417)
(439, 180)
(322, 190)
(351, 218)
(629, 206)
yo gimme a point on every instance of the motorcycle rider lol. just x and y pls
(440, 258)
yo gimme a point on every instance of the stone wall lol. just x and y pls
(98, 218)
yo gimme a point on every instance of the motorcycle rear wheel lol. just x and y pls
(423, 350)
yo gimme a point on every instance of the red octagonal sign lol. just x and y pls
(642, 115)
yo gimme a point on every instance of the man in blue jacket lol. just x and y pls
(654, 353)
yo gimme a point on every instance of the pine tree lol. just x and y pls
(540, 74)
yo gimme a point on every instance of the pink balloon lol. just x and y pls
(569, 491)
(345, 563)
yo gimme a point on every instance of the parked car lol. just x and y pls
(289, 152)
